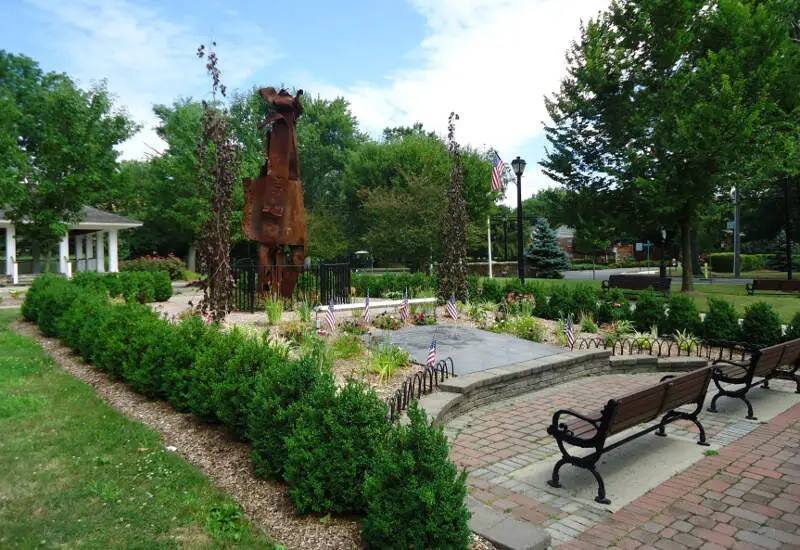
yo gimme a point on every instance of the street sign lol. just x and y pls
(731, 225)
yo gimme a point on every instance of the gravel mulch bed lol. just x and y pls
(224, 460)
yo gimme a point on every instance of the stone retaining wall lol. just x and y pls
(464, 393)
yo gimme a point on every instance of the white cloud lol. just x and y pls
(147, 58)
(491, 61)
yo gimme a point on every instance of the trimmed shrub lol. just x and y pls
(793, 330)
(279, 397)
(683, 315)
(334, 444)
(144, 364)
(491, 290)
(207, 371)
(33, 300)
(649, 311)
(55, 298)
(233, 389)
(170, 264)
(413, 478)
(582, 301)
(473, 287)
(112, 339)
(614, 306)
(379, 285)
(83, 310)
(559, 304)
(723, 261)
(721, 322)
(162, 286)
(187, 342)
(761, 326)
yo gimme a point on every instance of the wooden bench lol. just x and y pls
(779, 361)
(638, 282)
(772, 284)
(592, 430)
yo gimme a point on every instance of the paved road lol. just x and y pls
(603, 274)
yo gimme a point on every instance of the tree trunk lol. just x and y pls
(697, 269)
(36, 255)
(687, 278)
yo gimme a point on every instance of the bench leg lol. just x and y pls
(713, 406)
(765, 383)
(554, 482)
(601, 487)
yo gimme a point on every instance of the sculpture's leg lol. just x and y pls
(264, 263)
(280, 272)
(293, 271)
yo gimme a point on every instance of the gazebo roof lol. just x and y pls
(92, 219)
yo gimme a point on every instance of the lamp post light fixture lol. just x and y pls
(662, 269)
(518, 165)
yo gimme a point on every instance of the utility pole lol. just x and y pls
(737, 267)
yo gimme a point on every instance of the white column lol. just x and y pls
(11, 250)
(113, 252)
(63, 254)
(78, 252)
(101, 264)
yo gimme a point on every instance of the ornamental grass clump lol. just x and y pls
(274, 307)
(414, 493)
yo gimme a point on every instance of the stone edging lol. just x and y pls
(464, 393)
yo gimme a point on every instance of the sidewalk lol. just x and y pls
(746, 497)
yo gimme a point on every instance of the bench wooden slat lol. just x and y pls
(773, 285)
(637, 408)
(687, 389)
(769, 360)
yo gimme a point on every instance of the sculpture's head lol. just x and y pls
(282, 101)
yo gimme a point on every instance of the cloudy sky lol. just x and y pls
(396, 61)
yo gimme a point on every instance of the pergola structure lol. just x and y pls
(89, 236)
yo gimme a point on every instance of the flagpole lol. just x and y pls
(489, 240)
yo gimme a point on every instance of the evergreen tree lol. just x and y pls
(778, 260)
(452, 270)
(544, 254)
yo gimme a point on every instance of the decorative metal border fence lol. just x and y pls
(423, 382)
(317, 283)
(711, 350)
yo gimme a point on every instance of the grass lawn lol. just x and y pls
(75, 473)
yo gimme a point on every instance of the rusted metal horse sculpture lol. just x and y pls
(274, 214)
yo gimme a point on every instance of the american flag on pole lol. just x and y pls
(568, 332)
(366, 310)
(497, 173)
(404, 311)
(451, 307)
(330, 317)
(431, 353)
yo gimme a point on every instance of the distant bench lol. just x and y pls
(772, 284)
(592, 430)
(765, 364)
(638, 282)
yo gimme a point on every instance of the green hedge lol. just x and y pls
(138, 286)
(325, 442)
(381, 285)
(722, 262)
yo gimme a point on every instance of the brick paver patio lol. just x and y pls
(747, 496)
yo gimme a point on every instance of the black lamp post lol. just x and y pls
(518, 165)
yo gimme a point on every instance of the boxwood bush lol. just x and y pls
(54, 300)
(415, 494)
(761, 326)
(279, 397)
(335, 442)
(682, 315)
(614, 306)
(649, 311)
(793, 330)
(33, 298)
(721, 323)
(187, 342)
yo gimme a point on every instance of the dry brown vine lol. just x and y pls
(218, 160)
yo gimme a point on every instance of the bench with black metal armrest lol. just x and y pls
(779, 361)
(638, 282)
(589, 431)
(779, 285)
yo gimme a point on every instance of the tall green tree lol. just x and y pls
(668, 104)
(57, 147)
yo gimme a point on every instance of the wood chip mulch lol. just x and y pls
(224, 460)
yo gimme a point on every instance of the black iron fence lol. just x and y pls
(317, 283)
(709, 350)
(419, 384)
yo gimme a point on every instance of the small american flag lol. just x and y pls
(431, 353)
(451, 306)
(404, 311)
(366, 310)
(330, 317)
(568, 332)
(497, 173)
